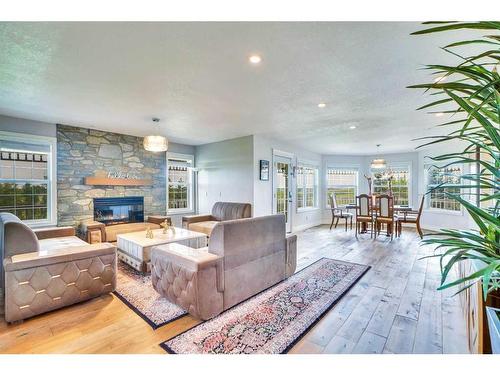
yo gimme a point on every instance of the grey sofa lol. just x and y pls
(221, 211)
(50, 268)
(243, 258)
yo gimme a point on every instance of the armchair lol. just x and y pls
(243, 258)
(412, 217)
(47, 269)
(339, 213)
(221, 211)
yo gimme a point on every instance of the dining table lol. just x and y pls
(397, 208)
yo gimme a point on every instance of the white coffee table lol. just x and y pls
(135, 249)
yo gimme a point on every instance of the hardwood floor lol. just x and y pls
(394, 308)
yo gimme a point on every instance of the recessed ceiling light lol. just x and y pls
(352, 127)
(255, 59)
(321, 105)
(439, 114)
(439, 79)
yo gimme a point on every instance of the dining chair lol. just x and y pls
(339, 213)
(385, 215)
(412, 217)
(364, 213)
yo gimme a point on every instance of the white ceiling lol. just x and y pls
(196, 78)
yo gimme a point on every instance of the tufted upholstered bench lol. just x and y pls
(243, 258)
(52, 268)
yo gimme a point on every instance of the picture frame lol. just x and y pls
(264, 170)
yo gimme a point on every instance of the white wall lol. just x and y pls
(225, 172)
(20, 125)
(181, 149)
(263, 190)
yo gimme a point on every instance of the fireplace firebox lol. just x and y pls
(120, 210)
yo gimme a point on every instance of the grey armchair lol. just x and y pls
(47, 269)
(221, 211)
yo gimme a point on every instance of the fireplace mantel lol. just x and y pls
(92, 180)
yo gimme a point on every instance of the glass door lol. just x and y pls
(282, 188)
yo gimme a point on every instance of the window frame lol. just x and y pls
(410, 178)
(51, 174)
(191, 183)
(427, 207)
(315, 168)
(345, 168)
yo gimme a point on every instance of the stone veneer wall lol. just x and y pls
(83, 152)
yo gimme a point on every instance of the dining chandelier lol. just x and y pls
(378, 163)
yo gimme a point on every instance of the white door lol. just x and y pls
(282, 194)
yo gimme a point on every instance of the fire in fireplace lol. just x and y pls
(119, 210)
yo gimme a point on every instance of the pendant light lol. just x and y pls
(378, 163)
(155, 143)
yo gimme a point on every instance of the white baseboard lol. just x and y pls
(305, 226)
(432, 228)
(424, 227)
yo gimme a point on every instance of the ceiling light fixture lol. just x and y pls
(321, 105)
(255, 59)
(378, 163)
(352, 127)
(155, 143)
(439, 114)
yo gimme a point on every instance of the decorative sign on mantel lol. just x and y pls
(116, 178)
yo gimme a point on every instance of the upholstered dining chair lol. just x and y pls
(364, 213)
(412, 217)
(385, 215)
(339, 213)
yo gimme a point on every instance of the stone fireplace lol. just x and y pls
(82, 153)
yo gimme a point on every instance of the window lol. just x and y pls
(450, 176)
(396, 177)
(26, 176)
(307, 187)
(180, 182)
(343, 182)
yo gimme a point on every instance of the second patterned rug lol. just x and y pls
(273, 321)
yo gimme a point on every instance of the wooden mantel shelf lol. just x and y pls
(116, 181)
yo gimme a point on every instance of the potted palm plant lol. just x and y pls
(472, 90)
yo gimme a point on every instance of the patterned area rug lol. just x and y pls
(274, 320)
(136, 291)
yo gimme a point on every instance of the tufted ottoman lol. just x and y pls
(188, 278)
